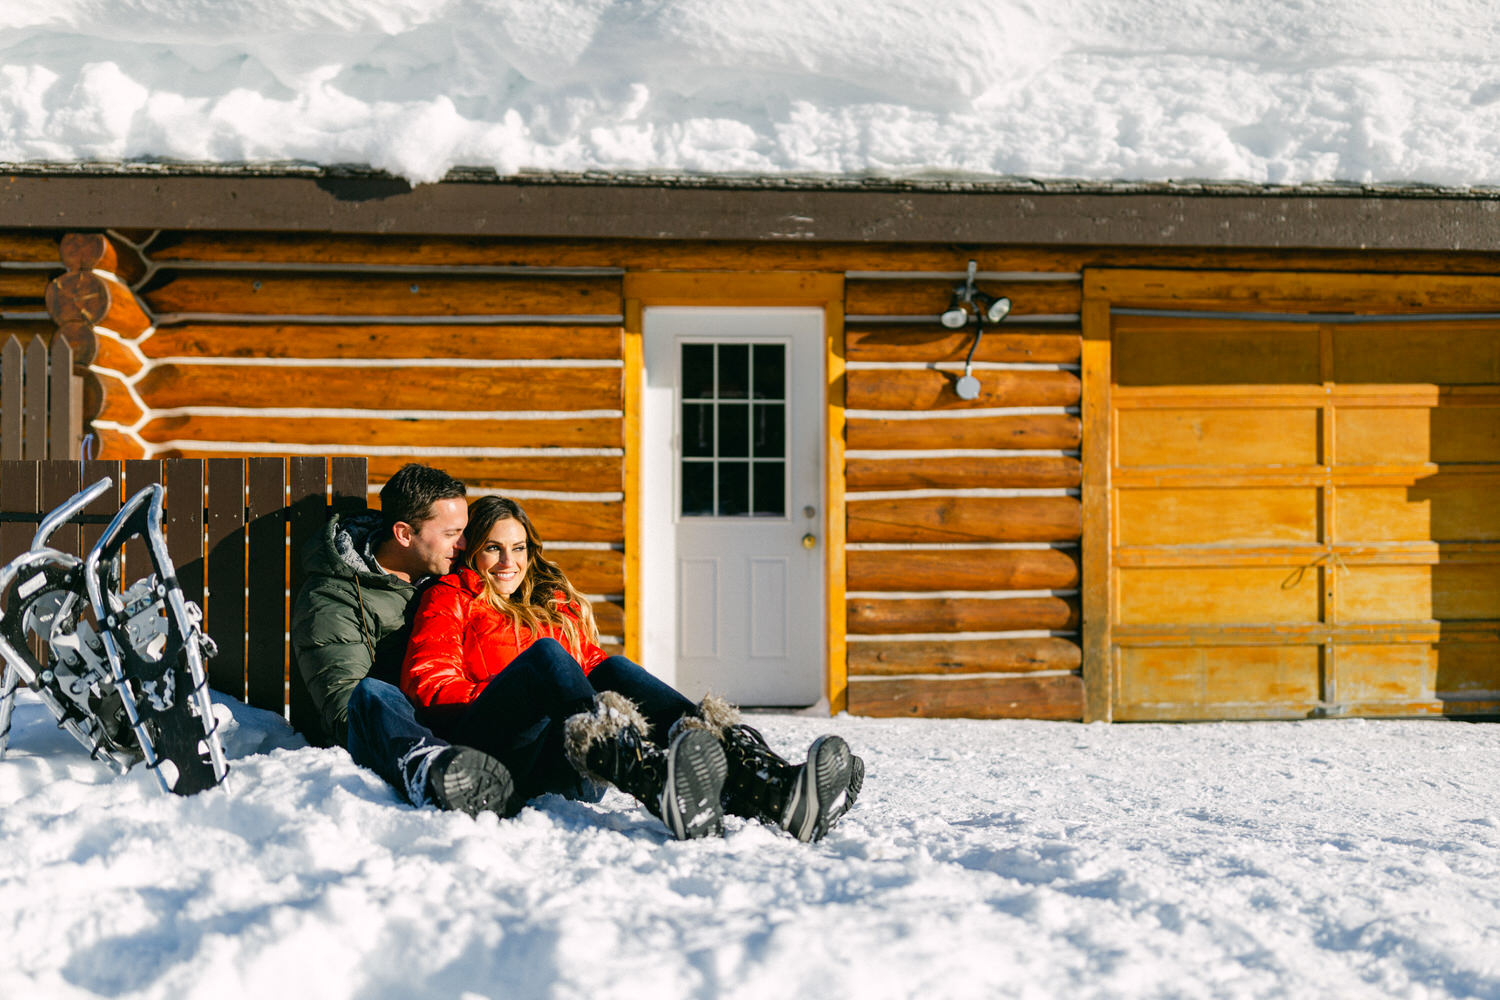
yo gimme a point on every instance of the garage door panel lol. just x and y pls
(1220, 595)
(1207, 678)
(1417, 671)
(1434, 353)
(1432, 509)
(1413, 435)
(1253, 354)
(1203, 437)
(1252, 516)
(1419, 593)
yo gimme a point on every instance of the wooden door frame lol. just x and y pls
(647, 289)
(1209, 291)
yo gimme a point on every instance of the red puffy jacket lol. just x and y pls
(459, 641)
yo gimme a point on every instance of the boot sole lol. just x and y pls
(856, 782)
(696, 770)
(472, 782)
(821, 788)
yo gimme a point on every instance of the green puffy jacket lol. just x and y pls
(350, 619)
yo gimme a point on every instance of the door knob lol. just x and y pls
(809, 540)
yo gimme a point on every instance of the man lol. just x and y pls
(349, 631)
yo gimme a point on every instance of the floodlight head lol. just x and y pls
(997, 309)
(956, 316)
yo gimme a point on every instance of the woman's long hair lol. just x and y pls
(544, 596)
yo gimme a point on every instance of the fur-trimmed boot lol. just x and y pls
(681, 785)
(803, 799)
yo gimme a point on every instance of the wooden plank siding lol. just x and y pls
(963, 515)
(978, 536)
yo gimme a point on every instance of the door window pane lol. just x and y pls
(769, 426)
(697, 489)
(734, 489)
(698, 430)
(734, 371)
(770, 489)
(697, 371)
(770, 371)
(734, 430)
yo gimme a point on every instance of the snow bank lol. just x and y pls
(1282, 92)
(985, 859)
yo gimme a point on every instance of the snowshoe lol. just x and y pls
(122, 673)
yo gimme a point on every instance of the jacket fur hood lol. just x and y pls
(346, 548)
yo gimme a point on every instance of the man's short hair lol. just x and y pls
(409, 495)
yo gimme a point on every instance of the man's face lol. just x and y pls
(441, 538)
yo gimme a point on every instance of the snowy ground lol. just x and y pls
(1282, 91)
(1028, 859)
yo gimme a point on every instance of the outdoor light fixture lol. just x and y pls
(985, 307)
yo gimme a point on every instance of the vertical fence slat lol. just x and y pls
(11, 403)
(34, 392)
(19, 494)
(225, 573)
(107, 505)
(60, 440)
(139, 473)
(307, 511)
(351, 483)
(266, 561)
(184, 523)
(59, 481)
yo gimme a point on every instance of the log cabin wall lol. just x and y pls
(28, 262)
(503, 360)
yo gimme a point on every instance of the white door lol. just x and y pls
(732, 558)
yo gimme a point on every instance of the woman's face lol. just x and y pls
(502, 556)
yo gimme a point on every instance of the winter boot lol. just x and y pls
(681, 785)
(803, 799)
(458, 779)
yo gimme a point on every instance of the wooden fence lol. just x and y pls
(235, 528)
(41, 400)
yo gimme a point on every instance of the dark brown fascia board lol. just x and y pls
(1134, 215)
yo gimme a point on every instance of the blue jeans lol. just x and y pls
(519, 716)
(383, 727)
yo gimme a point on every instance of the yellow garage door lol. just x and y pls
(1302, 495)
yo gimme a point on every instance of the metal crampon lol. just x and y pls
(123, 672)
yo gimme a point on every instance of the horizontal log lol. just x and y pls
(1023, 430)
(106, 397)
(737, 255)
(111, 353)
(962, 569)
(886, 389)
(592, 571)
(112, 444)
(966, 519)
(1056, 697)
(395, 389)
(581, 474)
(930, 296)
(28, 246)
(572, 473)
(877, 616)
(610, 617)
(1288, 291)
(82, 339)
(563, 520)
(963, 656)
(96, 251)
(86, 297)
(25, 329)
(1023, 472)
(28, 284)
(385, 340)
(261, 293)
(429, 432)
(937, 343)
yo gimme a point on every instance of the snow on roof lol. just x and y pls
(1280, 94)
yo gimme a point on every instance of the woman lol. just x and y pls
(503, 657)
